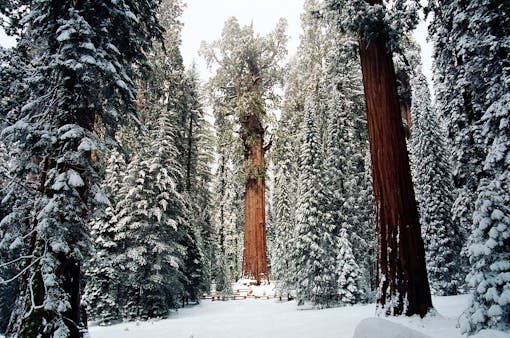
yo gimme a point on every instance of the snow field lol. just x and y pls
(273, 319)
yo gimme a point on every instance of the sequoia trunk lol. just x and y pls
(402, 277)
(254, 254)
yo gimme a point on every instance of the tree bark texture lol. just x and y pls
(403, 286)
(404, 92)
(255, 247)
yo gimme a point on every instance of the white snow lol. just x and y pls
(101, 198)
(378, 327)
(88, 59)
(70, 131)
(245, 287)
(60, 182)
(490, 334)
(65, 34)
(74, 179)
(87, 144)
(273, 319)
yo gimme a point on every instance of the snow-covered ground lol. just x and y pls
(270, 318)
(273, 319)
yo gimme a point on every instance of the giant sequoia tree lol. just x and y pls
(243, 85)
(403, 283)
(402, 277)
(81, 76)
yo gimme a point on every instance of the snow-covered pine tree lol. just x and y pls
(102, 273)
(171, 92)
(16, 195)
(284, 199)
(314, 47)
(489, 243)
(17, 191)
(224, 204)
(346, 185)
(299, 82)
(228, 219)
(457, 100)
(472, 50)
(348, 271)
(151, 227)
(434, 188)
(305, 70)
(85, 56)
(8, 251)
(14, 73)
(233, 226)
(327, 53)
(8, 292)
(314, 252)
(489, 253)
(166, 87)
(336, 175)
(17, 198)
(198, 155)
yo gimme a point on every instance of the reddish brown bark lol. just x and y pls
(404, 92)
(405, 111)
(402, 277)
(255, 247)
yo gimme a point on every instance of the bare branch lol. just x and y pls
(21, 272)
(16, 260)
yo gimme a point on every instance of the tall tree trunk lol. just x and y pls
(402, 276)
(255, 247)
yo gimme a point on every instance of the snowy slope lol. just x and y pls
(269, 318)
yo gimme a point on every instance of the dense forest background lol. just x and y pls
(128, 187)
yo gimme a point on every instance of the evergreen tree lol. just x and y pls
(348, 271)
(306, 69)
(223, 208)
(314, 252)
(16, 194)
(457, 103)
(152, 228)
(197, 177)
(103, 276)
(171, 94)
(299, 81)
(349, 197)
(489, 255)
(284, 196)
(434, 187)
(11, 240)
(314, 47)
(242, 86)
(326, 64)
(471, 73)
(13, 84)
(335, 200)
(81, 75)
(228, 219)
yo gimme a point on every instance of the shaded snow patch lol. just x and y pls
(381, 328)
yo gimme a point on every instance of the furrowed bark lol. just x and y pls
(255, 247)
(403, 286)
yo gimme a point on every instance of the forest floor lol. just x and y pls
(273, 319)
